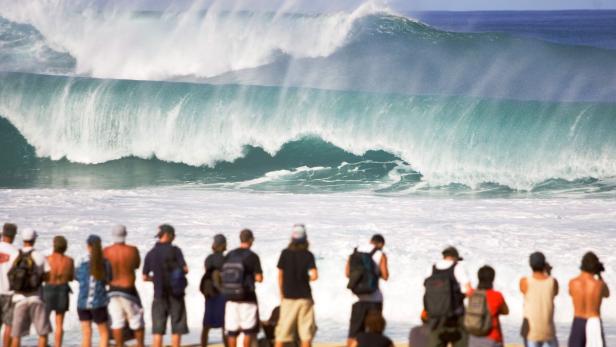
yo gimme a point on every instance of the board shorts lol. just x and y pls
(586, 332)
(97, 315)
(6, 309)
(56, 297)
(296, 317)
(358, 314)
(241, 317)
(169, 307)
(214, 316)
(123, 311)
(30, 311)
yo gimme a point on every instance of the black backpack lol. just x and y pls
(235, 283)
(23, 275)
(175, 280)
(443, 298)
(477, 318)
(210, 283)
(363, 273)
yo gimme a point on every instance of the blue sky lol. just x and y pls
(402, 5)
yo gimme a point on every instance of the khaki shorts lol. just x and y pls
(296, 316)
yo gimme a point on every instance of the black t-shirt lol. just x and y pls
(156, 265)
(252, 266)
(373, 340)
(213, 262)
(295, 265)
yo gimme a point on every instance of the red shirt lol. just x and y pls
(496, 301)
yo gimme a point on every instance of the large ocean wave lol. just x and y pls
(447, 140)
(350, 100)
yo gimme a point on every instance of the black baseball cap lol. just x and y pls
(165, 229)
(452, 252)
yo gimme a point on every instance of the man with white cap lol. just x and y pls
(26, 278)
(125, 306)
(296, 268)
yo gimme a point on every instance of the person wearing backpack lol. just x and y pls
(446, 287)
(125, 308)
(166, 268)
(296, 268)
(56, 292)
(539, 291)
(240, 271)
(214, 317)
(485, 305)
(26, 277)
(365, 268)
(8, 254)
(93, 274)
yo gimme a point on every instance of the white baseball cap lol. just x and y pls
(29, 234)
(118, 233)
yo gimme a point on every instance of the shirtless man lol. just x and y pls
(124, 302)
(587, 291)
(56, 290)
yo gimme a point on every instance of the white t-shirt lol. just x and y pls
(8, 254)
(42, 266)
(459, 272)
(377, 296)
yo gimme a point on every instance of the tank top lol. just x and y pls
(539, 309)
(376, 296)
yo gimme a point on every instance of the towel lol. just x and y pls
(594, 333)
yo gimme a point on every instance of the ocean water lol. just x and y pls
(493, 131)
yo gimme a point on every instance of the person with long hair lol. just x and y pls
(93, 274)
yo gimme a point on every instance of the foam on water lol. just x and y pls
(500, 232)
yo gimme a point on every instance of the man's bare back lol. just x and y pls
(587, 293)
(62, 269)
(124, 260)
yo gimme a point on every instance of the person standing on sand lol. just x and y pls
(241, 309)
(8, 254)
(539, 291)
(124, 301)
(447, 329)
(373, 301)
(29, 307)
(296, 268)
(587, 291)
(165, 266)
(93, 275)
(214, 316)
(56, 291)
(496, 306)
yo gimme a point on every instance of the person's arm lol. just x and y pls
(523, 285)
(137, 258)
(606, 291)
(314, 274)
(280, 282)
(384, 268)
(556, 288)
(258, 270)
(347, 268)
(147, 269)
(181, 260)
(71, 269)
(504, 309)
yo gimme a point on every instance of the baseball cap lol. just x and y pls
(298, 233)
(452, 252)
(118, 233)
(165, 229)
(219, 240)
(93, 239)
(29, 234)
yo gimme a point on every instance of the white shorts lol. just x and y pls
(241, 317)
(122, 310)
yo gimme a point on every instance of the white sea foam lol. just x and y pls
(113, 43)
(498, 232)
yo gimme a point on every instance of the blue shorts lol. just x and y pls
(214, 312)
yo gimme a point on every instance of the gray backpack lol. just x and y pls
(477, 318)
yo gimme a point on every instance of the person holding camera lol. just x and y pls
(587, 291)
(539, 291)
